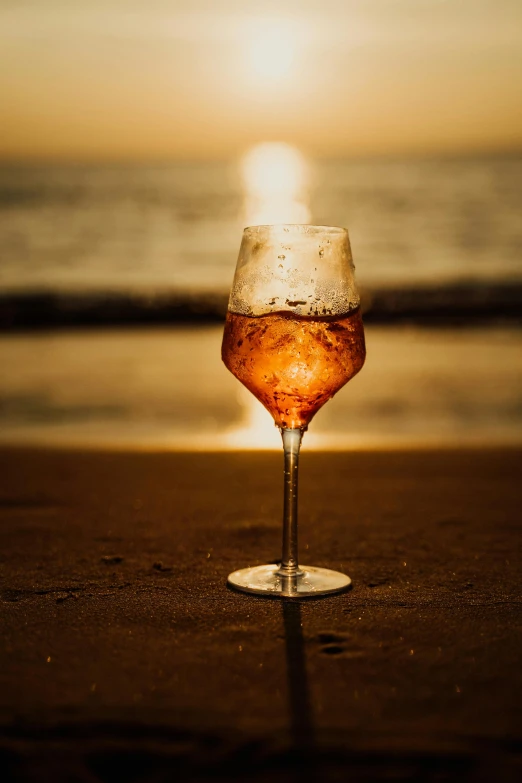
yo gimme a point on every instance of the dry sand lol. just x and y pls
(125, 657)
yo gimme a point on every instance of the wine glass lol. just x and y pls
(293, 336)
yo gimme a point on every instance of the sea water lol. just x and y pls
(177, 227)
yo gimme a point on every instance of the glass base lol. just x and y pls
(310, 582)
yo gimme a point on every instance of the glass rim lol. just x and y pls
(298, 228)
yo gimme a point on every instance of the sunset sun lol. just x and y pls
(271, 54)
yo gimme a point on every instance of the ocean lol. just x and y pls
(449, 225)
(178, 227)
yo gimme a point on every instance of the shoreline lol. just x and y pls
(200, 446)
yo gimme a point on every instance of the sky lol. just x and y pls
(202, 79)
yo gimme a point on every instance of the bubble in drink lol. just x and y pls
(293, 364)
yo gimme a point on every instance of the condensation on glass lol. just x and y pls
(306, 270)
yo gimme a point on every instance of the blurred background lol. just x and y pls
(138, 139)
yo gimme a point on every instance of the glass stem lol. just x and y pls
(291, 445)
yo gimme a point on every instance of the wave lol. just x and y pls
(460, 304)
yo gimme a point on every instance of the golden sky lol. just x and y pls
(201, 79)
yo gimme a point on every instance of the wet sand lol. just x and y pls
(168, 388)
(125, 656)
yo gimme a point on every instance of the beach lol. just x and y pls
(136, 473)
(125, 653)
(310, 196)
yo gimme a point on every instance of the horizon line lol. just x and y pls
(169, 159)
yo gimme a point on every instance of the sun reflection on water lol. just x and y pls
(275, 182)
(275, 185)
(256, 429)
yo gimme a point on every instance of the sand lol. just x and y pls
(125, 657)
